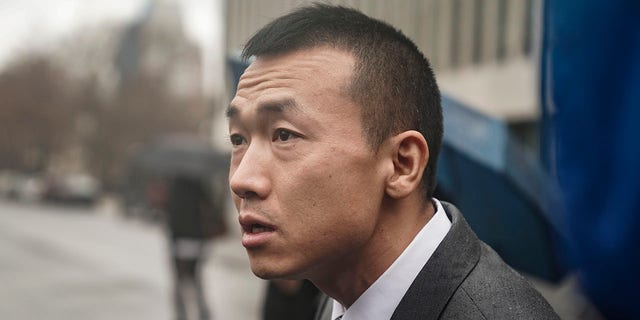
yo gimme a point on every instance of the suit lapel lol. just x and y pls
(438, 280)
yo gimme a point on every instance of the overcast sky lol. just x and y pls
(27, 24)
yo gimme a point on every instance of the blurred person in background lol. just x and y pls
(155, 193)
(591, 92)
(335, 131)
(194, 216)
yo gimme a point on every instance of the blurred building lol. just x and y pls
(129, 63)
(156, 44)
(452, 33)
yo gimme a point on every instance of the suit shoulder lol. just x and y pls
(496, 291)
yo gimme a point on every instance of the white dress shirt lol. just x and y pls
(380, 300)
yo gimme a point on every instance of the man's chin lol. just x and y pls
(269, 272)
(264, 275)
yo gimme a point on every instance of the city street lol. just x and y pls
(70, 263)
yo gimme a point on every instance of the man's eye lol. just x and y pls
(236, 139)
(282, 135)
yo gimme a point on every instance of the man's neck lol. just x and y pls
(398, 224)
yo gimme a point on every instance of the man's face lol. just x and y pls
(306, 184)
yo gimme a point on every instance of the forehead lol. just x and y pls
(303, 75)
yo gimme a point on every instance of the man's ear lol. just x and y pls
(410, 154)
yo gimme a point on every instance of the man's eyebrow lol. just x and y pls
(231, 112)
(276, 106)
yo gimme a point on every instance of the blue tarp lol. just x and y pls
(591, 95)
(502, 190)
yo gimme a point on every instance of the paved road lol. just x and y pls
(70, 263)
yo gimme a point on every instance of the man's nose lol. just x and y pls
(250, 177)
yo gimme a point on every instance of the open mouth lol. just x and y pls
(255, 235)
(256, 228)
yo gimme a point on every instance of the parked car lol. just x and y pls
(21, 186)
(72, 188)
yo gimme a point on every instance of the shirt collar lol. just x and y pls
(380, 300)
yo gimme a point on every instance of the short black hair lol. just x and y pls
(392, 80)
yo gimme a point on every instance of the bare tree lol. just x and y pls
(35, 113)
(127, 104)
(74, 104)
(141, 111)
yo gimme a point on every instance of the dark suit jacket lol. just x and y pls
(466, 279)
